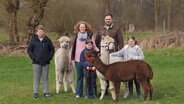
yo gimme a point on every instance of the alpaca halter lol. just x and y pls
(107, 46)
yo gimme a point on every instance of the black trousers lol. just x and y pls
(137, 86)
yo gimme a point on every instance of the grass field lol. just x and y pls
(16, 81)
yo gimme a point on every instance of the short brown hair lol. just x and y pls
(88, 41)
(40, 27)
(108, 14)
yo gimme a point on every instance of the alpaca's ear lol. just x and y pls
(95, 52)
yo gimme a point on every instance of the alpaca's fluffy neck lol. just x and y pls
(104, 56)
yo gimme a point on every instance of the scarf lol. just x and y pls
(82, 36)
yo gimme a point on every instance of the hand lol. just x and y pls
(93, 68)
(88, 68)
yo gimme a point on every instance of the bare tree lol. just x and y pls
(38, 12)
(12, 7)
(106, 6)
(156, 3)
(169, 14)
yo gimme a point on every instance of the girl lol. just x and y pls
(131, 51)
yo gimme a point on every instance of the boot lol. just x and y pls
(94, 93)
(138, 90)
(87, 93)
(130, 86)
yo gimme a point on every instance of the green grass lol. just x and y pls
(16, 81)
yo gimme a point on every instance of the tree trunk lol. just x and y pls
(12, 7)
(156, 14)
(34, 20)
(169, 15)
(107, 7)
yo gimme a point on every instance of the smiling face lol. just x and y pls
(82, 28)
(40, 33)
(131, 42)
(108, 20)
(89, 46)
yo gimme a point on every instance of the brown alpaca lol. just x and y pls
(124, 71)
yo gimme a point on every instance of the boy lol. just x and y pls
(89, 70)
(41, 51)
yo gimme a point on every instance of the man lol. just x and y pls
(115, 32)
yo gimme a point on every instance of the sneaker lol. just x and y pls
(35, 95)
(47, 95)
(86, 97)
(131, 97)
(140, 97)
(77, 96)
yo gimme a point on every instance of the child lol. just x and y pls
(41, 51)
(131, 51)
(89, 70)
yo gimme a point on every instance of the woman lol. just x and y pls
(131, 51)
(82, 32)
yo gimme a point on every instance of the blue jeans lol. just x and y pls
(90, 77)
(80, 77)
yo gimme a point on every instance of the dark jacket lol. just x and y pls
(90, 34)
(113, 32)
(83, 60)
(41, 52)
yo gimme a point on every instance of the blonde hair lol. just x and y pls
(39, 27)
(87, 25)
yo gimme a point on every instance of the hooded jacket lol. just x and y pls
(41, 52)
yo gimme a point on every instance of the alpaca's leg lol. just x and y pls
(103, 87)
(73, 87)
(111, 87)
(58, 80)
(151, 89)
(117, 89)
(145, 86)
(126, 91)
(65, 81)
(70, 80)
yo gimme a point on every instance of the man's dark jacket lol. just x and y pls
(115, 33)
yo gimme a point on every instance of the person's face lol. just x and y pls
(40, 33)
(108, 20)
(82, 28)
(89, 46)
(131, 42)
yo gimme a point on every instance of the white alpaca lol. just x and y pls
(107, 44)
(63, 67)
